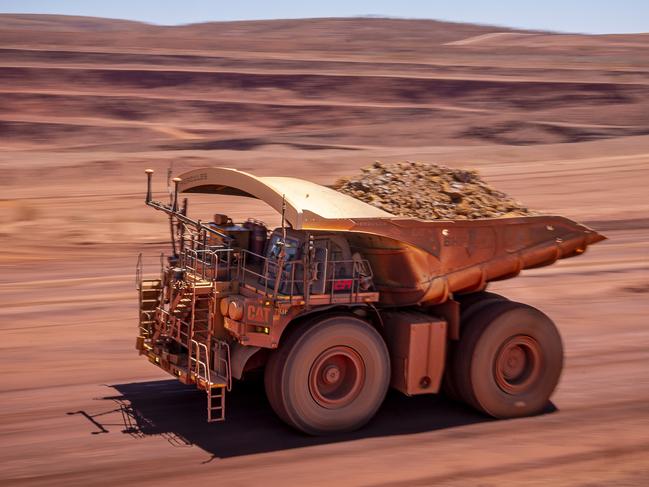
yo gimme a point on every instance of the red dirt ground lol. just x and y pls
(561, 122)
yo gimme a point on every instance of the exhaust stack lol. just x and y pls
(175, 203)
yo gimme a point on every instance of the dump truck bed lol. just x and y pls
(414, 261)
(418, 261)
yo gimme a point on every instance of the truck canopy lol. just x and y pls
(307, 203)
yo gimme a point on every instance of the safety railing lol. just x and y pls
(177, 329)
(145, 326)
(139, 272)
(256, 269)
(208, 262)
(339, 282)
(222, 361)
(140, 264)
(196, 364)
(336, 278)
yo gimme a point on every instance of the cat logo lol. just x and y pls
(257, 313)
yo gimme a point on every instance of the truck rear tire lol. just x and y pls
(469, 305)
(509, 360)
(330, 376)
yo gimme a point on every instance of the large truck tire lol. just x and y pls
(508, 361)
(469, 305)
(330, 376)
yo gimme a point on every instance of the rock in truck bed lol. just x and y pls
(429, 192)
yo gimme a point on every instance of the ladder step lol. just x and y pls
(152, 284)
(216, 395)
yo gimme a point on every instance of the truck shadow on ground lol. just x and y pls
(177, 413)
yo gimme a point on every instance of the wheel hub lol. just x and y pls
(518, 364)
(336, 377)
(331, 374)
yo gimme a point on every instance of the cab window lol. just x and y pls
(292, 248)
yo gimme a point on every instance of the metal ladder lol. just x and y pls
(216, 412)
(215, 385)
(150, 297)
(150, 292)
(223, 382)
(216, 382)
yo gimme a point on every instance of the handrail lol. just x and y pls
(220, 344)
(204, 258)
(138, 272)
(197, 360)
(197, 224)
(341, 276)
(139, 268)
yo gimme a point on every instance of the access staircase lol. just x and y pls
(177, 313)
(150, 295)
(187, 320)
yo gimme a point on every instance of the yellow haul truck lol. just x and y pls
(344, 300)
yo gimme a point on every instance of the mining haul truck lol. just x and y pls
(344, 300)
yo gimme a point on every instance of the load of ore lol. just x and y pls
(429, 192)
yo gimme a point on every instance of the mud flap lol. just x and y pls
(239, 356)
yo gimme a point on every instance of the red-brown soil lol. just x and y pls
(560, 122)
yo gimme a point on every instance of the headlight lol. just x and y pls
(223, 305)
(235, 310)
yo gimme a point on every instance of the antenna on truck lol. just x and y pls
(174, 205)
(174, 210)
(181, 226)
(180, 216)
(281, 258)
(284, 218)
(169, 180)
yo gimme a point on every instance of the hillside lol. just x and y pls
(322, 83)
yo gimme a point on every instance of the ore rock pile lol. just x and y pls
(429, 192)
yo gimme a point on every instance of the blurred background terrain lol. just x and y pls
(558, 121)
(87, 103)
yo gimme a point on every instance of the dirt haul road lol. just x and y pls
(79, 407)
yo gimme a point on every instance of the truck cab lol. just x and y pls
(299, 272)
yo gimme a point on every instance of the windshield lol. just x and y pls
(275, 247)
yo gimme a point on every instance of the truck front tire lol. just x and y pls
(330, 376)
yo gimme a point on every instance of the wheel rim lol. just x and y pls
(518, 364)
(336, 377)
